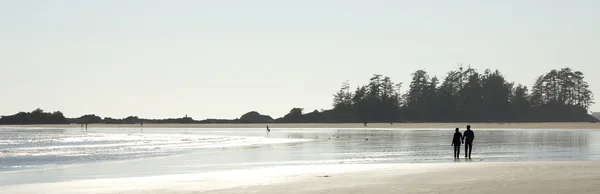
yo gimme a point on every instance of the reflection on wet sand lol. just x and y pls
(330, 146)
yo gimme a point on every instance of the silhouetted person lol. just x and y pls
(268, 130)
(456, 141)
(468, 139)
(365, 123)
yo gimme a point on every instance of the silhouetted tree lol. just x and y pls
(343, 98)
(419, 97)
(520, 105)
(496, 96)
(561, 95)
(448, 97)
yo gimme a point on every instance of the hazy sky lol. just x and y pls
(223, 58)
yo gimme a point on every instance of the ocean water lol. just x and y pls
(30, 155)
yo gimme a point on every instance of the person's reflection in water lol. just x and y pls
(469, 137)
(456, 141)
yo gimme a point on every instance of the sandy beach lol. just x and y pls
(450, 178)
(580, 125)
(461, 178)
(298, 159)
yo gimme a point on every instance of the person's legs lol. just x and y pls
(470, 148)
(466, 149)
(456, 151)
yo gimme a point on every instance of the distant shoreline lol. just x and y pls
(546, 125)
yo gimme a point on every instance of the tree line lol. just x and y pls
(462, 95)
(466, 95)
(37, 116)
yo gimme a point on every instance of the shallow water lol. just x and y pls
(49, 155)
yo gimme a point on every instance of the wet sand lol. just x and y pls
(448, 178)
(578, 125)
(359, 161)
(61, 155)
(334, 161)
(463, 178)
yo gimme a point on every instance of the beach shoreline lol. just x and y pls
(462, 177)
(549, 125)
(452, 178)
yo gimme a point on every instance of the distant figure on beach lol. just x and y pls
(469, 137)
(268, 130)
(365, 123)
(456, 141)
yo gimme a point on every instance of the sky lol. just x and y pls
(221, 59)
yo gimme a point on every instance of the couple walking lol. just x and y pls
(459, 138)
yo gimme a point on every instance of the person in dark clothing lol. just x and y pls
(469, 137)
(456, 141)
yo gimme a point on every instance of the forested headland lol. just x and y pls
(462, 95)
(466, 95)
